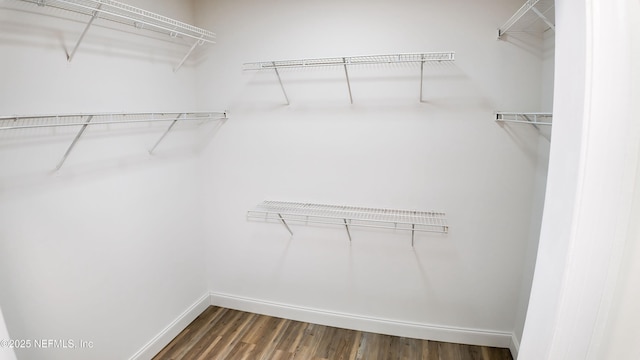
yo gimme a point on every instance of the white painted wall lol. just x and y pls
(108, 249)
(584, 296)
(6, 352)
(385, 150)
(538, 194)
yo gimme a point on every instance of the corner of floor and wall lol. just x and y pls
(329, 318)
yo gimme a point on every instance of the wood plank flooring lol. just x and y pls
(220, 333)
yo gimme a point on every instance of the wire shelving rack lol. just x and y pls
(84, 120)
(346, 61)
(122, 13)
(348, 216)
(530, 14)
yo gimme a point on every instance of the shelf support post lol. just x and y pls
(421, 76)
(165, 133)
(346, 73)
(346, 225)
(532, 122)
(285, 224)
(514, 19)
(280, 81)
(544, 18)
(73, 143)
(84, 32)
(413, 233)
(193, 47)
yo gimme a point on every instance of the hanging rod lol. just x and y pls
(534, 119)
(345, 61)
(114, 118)
(533, 6)
(126, 14)
(347, 216)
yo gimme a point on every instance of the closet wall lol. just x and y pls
(109, 248)
(122, 242)
(388, 150)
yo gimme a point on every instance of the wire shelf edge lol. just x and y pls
(347, 216)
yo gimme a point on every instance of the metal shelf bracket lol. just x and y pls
(551, 25)
(346, 225)
(285, 224)
(73, 143)
(197, 43)
(165, 133)
(529, 5)
(275, 68)
(421, 76)
(413, 233)
(346, 73)
(84, 32)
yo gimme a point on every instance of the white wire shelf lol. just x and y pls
(126, 14)
(530, 14)
(352, 60)
(347, 216)
(84, 120)
(347, 61)
(534, 118)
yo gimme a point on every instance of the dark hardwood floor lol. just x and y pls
(220, 333)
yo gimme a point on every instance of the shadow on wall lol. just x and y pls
(521, 134)
(45, 149)
(346, 263)
(528, 42)
(380, 86)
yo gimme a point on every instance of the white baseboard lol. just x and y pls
(165, 336)
(514, 346)
(366, 323)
